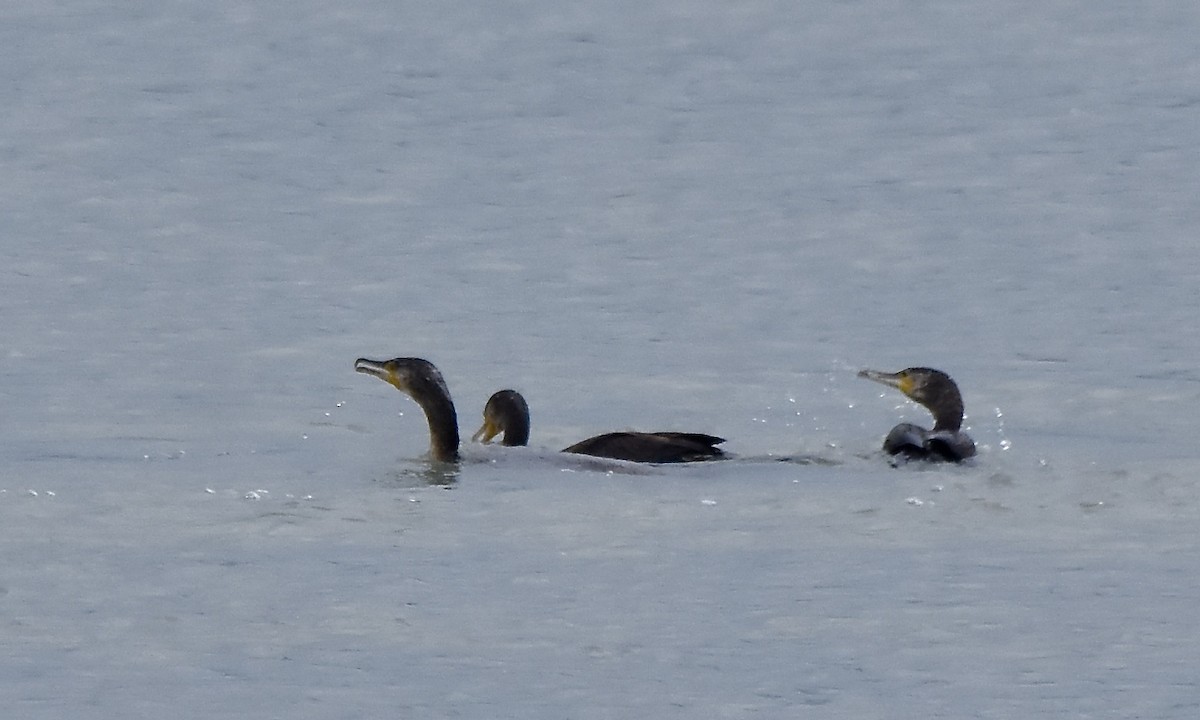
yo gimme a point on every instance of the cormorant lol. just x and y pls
(421, 381)
(507, 412)
(934, 390)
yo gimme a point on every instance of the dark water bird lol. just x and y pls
(423, 382)
(939, 394)
(507, 412)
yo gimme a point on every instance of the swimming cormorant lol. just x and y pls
(934, 390)
(507, 412)
(421, 381)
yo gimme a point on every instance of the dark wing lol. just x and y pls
(951, 446)
(916, 443)
(907, 440)
(657, 447)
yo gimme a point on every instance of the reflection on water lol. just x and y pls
(430, 474)
(806, 459)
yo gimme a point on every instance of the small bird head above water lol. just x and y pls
(506, 412)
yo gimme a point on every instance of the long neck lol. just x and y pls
(443, 428)
(947, 409)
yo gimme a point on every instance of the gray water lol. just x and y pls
(702, 216)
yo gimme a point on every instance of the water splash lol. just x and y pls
(1005, 443)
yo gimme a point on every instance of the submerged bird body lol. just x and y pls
(507, 412)
(938, 393)
(422, 381)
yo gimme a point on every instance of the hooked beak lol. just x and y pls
(489, 430)
(370, 367)
(381, 370)
(898, 380)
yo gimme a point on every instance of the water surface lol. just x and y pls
(643, 215)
